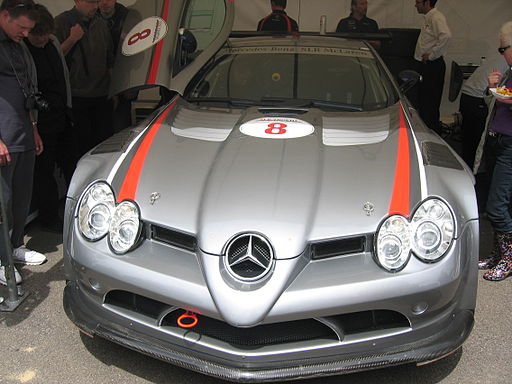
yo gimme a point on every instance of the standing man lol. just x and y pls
(53, 123)
(357, 20)
(114, 15)
(87, 44)
(430, 48)
(19, 137)
(278, 20)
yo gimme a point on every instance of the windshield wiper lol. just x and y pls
(227, 100)
(304, 103)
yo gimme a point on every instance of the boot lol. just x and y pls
(494, 258)
(504, 267)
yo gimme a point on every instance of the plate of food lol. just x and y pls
(502, 92)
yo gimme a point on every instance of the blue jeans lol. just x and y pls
(500, 192)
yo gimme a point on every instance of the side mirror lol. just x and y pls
(408, 79)
(187, 40)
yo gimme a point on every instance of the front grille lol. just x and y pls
(174, 238)
(267, 334)
(339, 326)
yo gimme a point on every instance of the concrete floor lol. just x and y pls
(41, 346)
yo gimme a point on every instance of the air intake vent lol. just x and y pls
(174, 238)
(338, 247)
(115, 143)
(439, 155)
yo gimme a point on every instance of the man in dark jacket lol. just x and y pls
(278, 20)
(19, 137)
(87, 44)
(53, 123)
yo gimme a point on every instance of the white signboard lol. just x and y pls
(144, 35)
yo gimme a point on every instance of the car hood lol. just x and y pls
(216, 173)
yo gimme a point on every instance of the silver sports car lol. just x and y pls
(286, 215)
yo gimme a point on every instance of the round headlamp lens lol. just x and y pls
(125, 227)
(95, 211)
(433, 225)
(393, 243)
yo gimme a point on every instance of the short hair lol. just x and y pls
(432, 3)
(45, 23)
(17, 8)
(506, 33)
(279, 3)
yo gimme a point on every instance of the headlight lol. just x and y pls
(428, 235)
(95, 211)
(124, 227)
(393, 243)
(433, 228)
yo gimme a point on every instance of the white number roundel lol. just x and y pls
(277, 128)
(144, 35)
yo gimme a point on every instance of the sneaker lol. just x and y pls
(23, 255)
(3, 280)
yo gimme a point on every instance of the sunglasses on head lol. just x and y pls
(502, 50)
(27, 6)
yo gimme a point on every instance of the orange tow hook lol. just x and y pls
(187, 320)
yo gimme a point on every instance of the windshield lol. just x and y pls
(349, 79)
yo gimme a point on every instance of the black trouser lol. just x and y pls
(17, 189)
(474, 113)
(46, 191)
(431, 91)
(93, 122)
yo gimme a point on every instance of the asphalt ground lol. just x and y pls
(39, 345)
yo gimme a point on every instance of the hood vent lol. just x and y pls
(174, 238)
(339, 247)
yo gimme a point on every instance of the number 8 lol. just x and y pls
(280, 127)
(139, 36)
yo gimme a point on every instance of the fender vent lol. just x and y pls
(439, 155)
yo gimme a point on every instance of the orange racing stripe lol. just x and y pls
(157, 55)
(400, 200)
(131, 181)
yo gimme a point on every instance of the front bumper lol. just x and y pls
(175, 281)
(101, 322)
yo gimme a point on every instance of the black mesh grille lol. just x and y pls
(279, 333)
(135, 303)
(266, 334)
(174, 238)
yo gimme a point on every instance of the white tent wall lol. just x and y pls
(474, 23)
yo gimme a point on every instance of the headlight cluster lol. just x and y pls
(428, 235)
(99, 215)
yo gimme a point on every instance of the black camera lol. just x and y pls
(36, 101)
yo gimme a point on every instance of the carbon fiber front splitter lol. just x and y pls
(92, 323)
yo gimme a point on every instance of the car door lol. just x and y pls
(153, 46)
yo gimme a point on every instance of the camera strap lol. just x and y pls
(24, 86)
